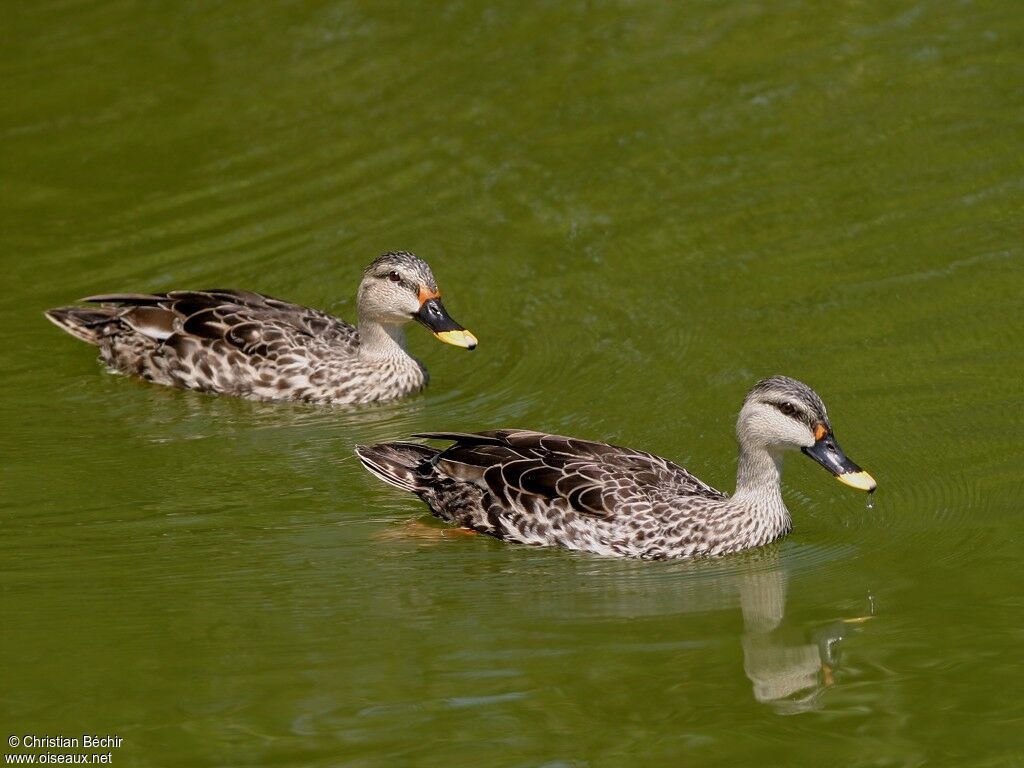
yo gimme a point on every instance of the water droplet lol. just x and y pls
(871, 502)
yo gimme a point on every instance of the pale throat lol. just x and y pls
(381, 340)
(758, 494)
(759, 474)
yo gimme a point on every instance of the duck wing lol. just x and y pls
(252, 322)
(520, 468)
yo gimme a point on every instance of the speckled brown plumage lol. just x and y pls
(254, 346)
(535, 488)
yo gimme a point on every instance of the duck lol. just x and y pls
(249, 345)
(535, 488)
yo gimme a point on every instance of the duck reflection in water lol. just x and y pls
(789, 664)
(788, 667)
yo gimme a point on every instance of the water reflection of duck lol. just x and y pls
(250, 345)
(789, 663)
(535, 488)
(789, 673)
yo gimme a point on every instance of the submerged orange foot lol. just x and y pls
(418, 529)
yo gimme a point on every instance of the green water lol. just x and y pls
(640, 208)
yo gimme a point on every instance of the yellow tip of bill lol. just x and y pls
(862, 481)
(458, 338)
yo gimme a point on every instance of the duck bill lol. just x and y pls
(434, 316)
(826, 451)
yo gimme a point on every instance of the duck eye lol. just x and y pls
(394, 277)
(787, 408)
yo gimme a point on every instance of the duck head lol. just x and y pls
(781, 414)
(398, 287)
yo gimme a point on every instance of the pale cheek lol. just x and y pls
(798, 436)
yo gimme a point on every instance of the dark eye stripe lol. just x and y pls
(386, 276)
(795, 412)
(787, 408)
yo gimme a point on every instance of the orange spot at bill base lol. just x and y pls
(827, 677)
(820, 431)
(426, 294)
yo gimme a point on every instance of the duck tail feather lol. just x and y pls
(397, 464)
(85, 323)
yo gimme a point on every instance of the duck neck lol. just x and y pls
(758, 491)
(379, 341)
